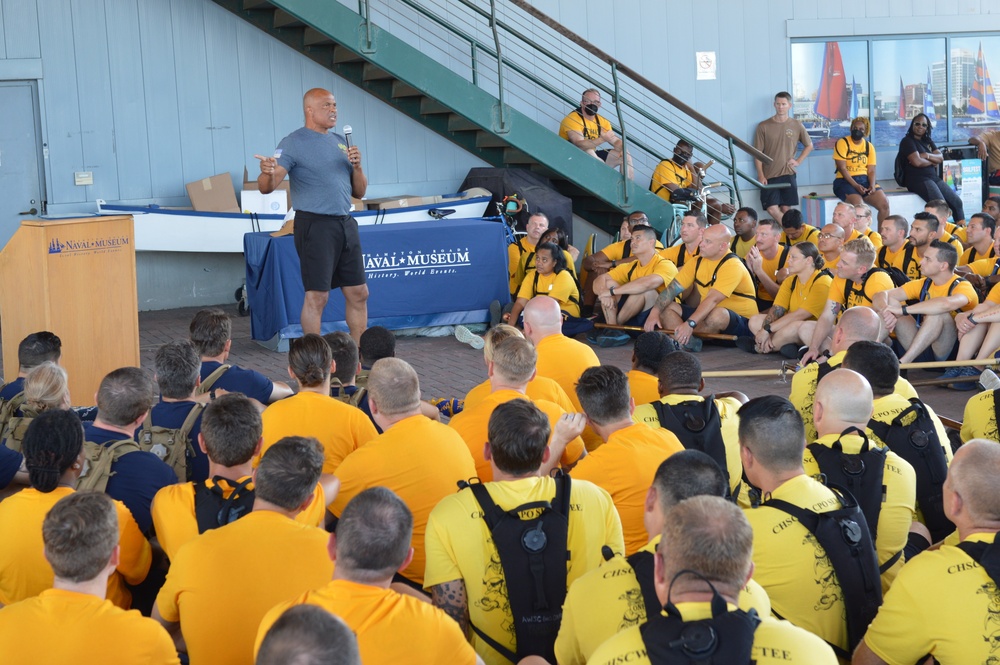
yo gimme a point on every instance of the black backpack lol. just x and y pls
(899, 169)
(212, 509)
(918, 444)
(898, 277)
(725, 639)
(860, 474)
(845, 537)
(986, 555)
(698, 425)
(533, 554)
(848, 289)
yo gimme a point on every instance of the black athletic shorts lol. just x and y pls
(329, 249)
(786, 196)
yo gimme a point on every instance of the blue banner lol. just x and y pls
(420, 274)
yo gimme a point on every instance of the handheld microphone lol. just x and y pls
(347, 135)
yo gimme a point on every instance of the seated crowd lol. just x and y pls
(569, 511)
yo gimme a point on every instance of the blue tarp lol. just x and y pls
(420, 274)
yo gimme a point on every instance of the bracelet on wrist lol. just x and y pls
(972, 320)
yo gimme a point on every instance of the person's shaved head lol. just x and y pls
(834, 230)
(542, 318)
(973, 476)
(718, 232)
(843, 399)
(856, 324)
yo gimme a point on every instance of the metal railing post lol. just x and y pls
(502, 128)
(368, 27)
(621, 123)
(732, 173)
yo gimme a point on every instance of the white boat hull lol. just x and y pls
(165, 230)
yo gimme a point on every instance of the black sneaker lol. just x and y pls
(748, 344)
(495, 313)
(790, 351)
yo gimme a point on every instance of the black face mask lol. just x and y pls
(857, 134)
(681, 160)
(591, 109)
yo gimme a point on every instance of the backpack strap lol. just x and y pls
(882, 252)
(642, 565)
(627, 249)
(986, 555)
(210, 380)
(213, 510)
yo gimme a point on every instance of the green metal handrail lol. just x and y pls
(475, 45)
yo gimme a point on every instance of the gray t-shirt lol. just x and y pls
(319, 170)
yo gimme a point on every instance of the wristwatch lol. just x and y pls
(612, 292)
(903, 311)
(767, 328)
(613, 263)
(972, 320)
(692, 323)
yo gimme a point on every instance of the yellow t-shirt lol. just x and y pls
(24, 571)
(861, 293)
(625, 466)
(810, 294)
(459, 547)
(563, 360)
(953, 241)
(560, 286)
(391, 628)
(792, 566)
(59, 626)
(983, 267)
(616, 250)
(858, 156)
(472, 425)
(340, 427)
(774, 643)
(515, 252)
(174, 516)
(942, 604)
(590, 129)
(898, 260)
(727, 406)
(980, 419)
(222, 583)
(540, 387)
(971, 255)
(644, 387)
(732, 280)
(678, 254)
(657, 265)
(809, 234)
(899, 499)
(668, 172)
(804, 391)
(608, 599)
(913, 288)
(741, 247)
(526, 263)
(771, 266)
(417, 458)
(875, 237)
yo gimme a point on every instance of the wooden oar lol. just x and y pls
(608, 326)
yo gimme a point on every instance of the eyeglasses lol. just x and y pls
(920, 124)
(592, 101)
(827, 236)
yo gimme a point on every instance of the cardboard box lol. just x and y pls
(357, 205)
(275, 203)
(251, 185)
(215, 194)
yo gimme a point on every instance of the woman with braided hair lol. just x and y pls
(54, 455)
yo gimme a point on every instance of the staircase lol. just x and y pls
(452, 105)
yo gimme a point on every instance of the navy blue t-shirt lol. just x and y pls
(238, 380)
(10, 462)
(171, 415)
(138, 476)
(12, 388)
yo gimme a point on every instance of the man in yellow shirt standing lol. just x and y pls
(637, 283)
(73, 622)
(259, 560)
(372, 543)
(625, 463)
(717, 294)
(945, 602)
(419, 459)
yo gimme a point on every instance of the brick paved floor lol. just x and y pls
(449, 368)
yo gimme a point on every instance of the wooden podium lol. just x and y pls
(75, 278)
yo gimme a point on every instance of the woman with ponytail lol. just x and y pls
(340, 427)
(54, 455)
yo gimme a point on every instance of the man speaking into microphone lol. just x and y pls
(325, 171)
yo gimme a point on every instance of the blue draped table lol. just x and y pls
(421, 274)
